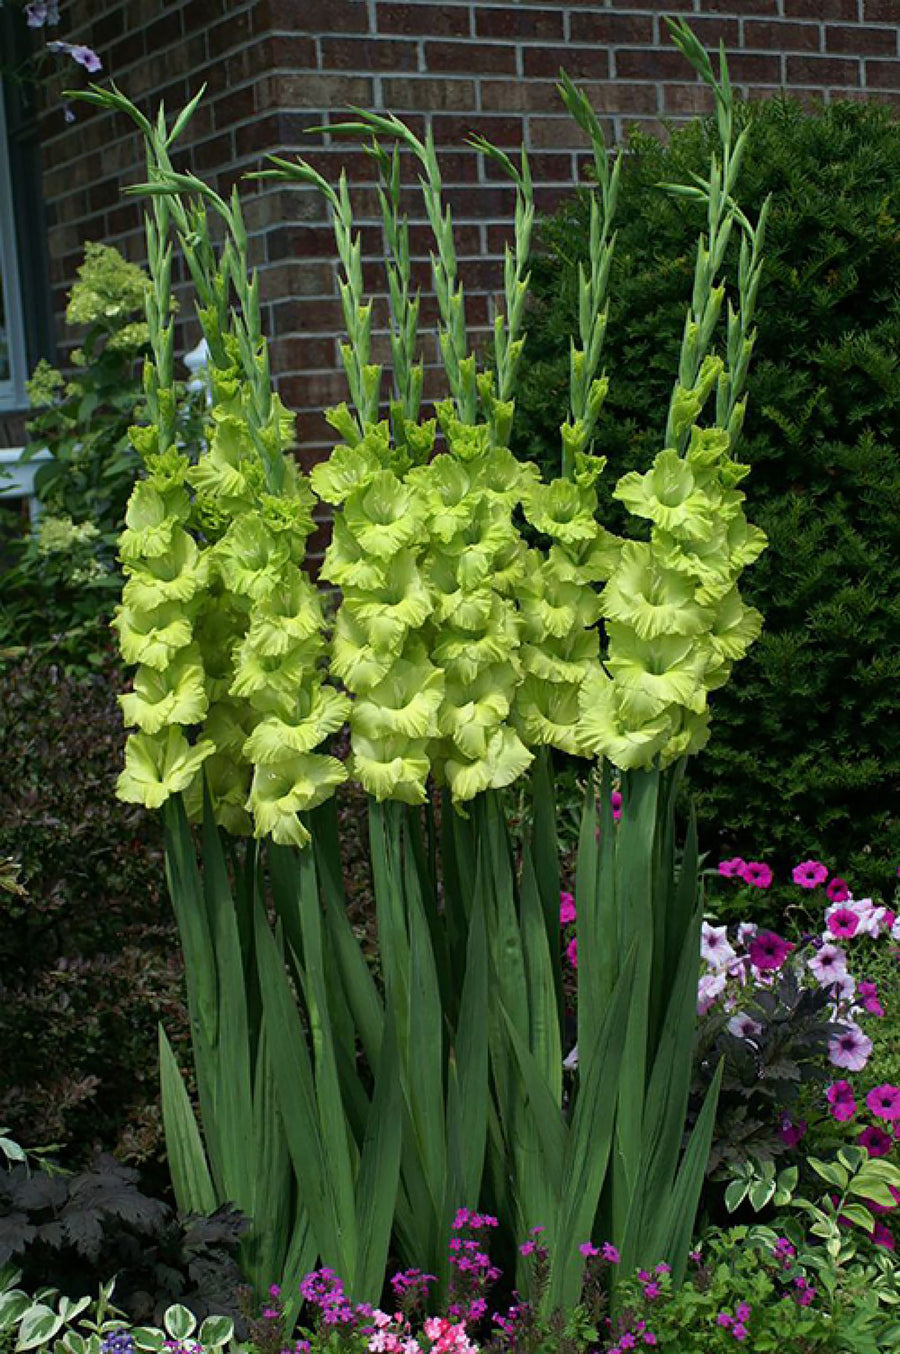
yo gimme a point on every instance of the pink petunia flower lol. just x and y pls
(829, 964)
(714, 946)
(809, 874)
(768, 951)
(837, 890)
(850, 1049)
(757, 873)
(884, 1101)
(743, 1026)
(876, 1142)
(572, 951)
(709, 988)
(840, 1097)
(842, 922)
(567, 912)
(733, 868)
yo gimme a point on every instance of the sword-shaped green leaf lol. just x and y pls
(191, 1179)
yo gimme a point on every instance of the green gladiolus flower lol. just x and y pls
(176, 576)
(353, 660)
(152, 637)
(228, 783)
(506, 758)
(405, 702)
(391, 768)
(387, 615)
(734, 628)
(151, 520)
(384, 516)
(562, 510)
(668, 495)
(280, 790)
(177, 695)
(232, 468)
(291, 613)
(299, 724)
(654, 600)
(347, 470)
(652, 674)
(256, 674)
(347, 564)
(250, 558)
(160, 765)
(547, 712)
(468, 654)
(605, 729)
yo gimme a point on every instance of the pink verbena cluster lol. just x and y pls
(471, 1269)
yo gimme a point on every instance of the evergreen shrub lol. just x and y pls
(806, 754)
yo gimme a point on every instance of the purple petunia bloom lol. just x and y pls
(732, 869)
(876, 1142)
(837, 890)
(791, 1133)
(809, 874)
(567, 912)
(841, 1099)
(829, 965)
(768, 951)
(80, 54)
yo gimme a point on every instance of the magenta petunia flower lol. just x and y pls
(809, 874)
(840, 1097)
(842, 922)
(758, 874)
(572, 951)
(768, 950)
(850, 1048)
(837, 890)
(876, 1142)
(868, 993)
(566, 909)
(884, 1101)
(791, 1133)
(732, 869)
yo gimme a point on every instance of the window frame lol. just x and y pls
(12, 387)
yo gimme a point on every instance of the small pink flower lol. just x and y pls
(829, 964)
(732, 869)
(851, 1048)
(884, 1101)
(842, 922)
(588, 1250)
(768, 951)
(809, 874)
(758, 874)
(609, 1253)
(840, 1097)
(572, 951)
(739, 1331)
(837, 890)
(615, 799)
(869, 995)
(876, 1142)
(566, 909)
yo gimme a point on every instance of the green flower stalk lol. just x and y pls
(224, 625)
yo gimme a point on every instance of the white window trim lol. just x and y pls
(12, 388)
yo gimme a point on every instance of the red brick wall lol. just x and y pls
(274, 67)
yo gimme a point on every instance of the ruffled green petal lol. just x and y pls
(691, 735)
(402, 605)
(150, 521)
(651, 674)
(152, 637)
(158, 766)
(315, 715)
(391, 768)
(280, 790)
(405, 702)
(735, 627)
(256, 673)
(251, 559)
(346, 563)
(347, 470)
(177, 695)
(290, 613)
(232, 467)
(176, 576)
(654, 600)
(668, 495)
(466, 653)
(353, 660)
(606, 731)
(562, 510)
(228, 782)
(385, 516)
(505, 760)
(547, 713)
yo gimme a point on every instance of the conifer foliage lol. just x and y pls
(806, 753)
